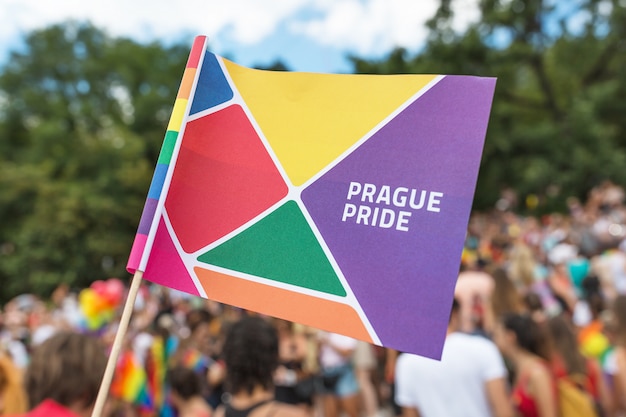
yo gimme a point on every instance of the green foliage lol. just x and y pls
(557, 125)
(82, 117)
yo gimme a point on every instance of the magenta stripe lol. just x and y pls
(136, 253)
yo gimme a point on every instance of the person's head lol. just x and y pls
(12, 395)
(185, 384)
(251, 355)
(283, 327)
(565, 344)
(596, 305)
(532, 302)
(522, 265)
(199, 323)
(520, 333)
(453, 322)
(67, 368)
(590, 285)
(505, 298)
(197, 318)
(619, 315)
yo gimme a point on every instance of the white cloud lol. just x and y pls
(247, 21)
(605, 8)
(362, 27)
(466, 12)
(368, 27)
(376, 26)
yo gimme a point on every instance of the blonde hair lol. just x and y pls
(12, 392)
(522, 266)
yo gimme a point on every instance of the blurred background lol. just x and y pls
(86, 90)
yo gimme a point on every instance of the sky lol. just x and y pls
(306, 35)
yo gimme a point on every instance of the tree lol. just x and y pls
(556, 127)
(82, 117)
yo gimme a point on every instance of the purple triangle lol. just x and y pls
(405, 279)
(165, 266)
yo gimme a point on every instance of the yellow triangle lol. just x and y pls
(310, 119)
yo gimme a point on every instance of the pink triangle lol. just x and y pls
(165, 266)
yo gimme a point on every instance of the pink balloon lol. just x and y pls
(99, 287)
(114, 290)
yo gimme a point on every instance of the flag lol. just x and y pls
(337, 201)
(195, 360)
(130, 382)
(156, 369)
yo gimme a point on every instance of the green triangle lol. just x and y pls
(280, 247)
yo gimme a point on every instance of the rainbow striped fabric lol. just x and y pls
(130, 382)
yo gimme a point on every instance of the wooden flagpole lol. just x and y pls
(117, 345)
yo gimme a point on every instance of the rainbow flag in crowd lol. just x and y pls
(130, 382)
(593, 342)
(331, 195)
(156, 370)
(193, 359)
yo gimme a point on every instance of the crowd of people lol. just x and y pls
(538, 328)
(180, 357)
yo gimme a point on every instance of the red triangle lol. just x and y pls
(165, 266)
(223, 178)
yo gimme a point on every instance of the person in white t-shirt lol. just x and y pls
(469, 381)
(339, 389)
